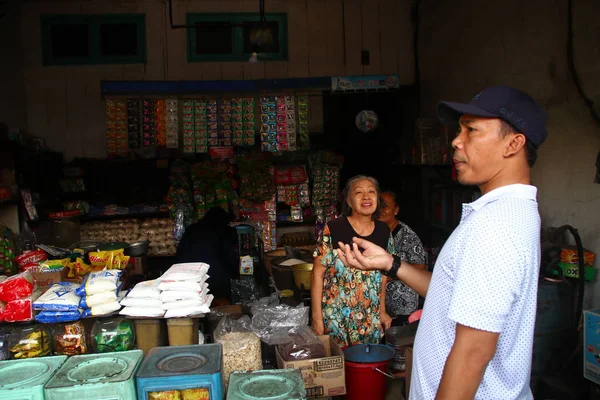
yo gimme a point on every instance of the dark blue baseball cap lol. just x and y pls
(507, 103)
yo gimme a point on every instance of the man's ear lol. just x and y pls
(515, 143)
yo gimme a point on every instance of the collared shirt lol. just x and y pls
(485, 278)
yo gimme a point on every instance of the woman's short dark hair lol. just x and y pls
(392, 194)
(346, 209)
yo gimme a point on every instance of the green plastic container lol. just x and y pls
(96, 377)
(275, 384)
(25, 379)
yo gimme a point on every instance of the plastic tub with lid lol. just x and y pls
(96, 377)
(277, 384)
(25, 379)
(181, 372)
(366, 371)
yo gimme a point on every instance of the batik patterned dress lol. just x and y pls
(351, 297)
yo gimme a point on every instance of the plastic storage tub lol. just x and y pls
(192, 371)
(149, 333)
(183, 331)
(277, 384)
(96, 377)
(25, 379)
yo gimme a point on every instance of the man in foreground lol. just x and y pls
(475, 337)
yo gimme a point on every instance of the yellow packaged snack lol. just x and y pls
(124, 261)
(166, 395)
(80, 268)
(115, 259)
(99, 259)
(195, 394)
(53, 265)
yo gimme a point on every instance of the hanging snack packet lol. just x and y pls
(60, 297)
(99, 282)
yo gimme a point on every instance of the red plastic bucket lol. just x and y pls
(366, 380)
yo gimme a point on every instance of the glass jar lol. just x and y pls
(4, 335)
(112, 334)
(70, 339)
(30, 340)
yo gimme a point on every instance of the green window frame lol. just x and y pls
(236, 20)
(94, 22)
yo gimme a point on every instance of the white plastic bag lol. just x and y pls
(185, 272)
(183, 304)
(193, 310)
(95, 300)
(60, 297)
(147, 289)
(143, 311)
(102, 309)
(98, 282)
(172, 295)
(141, 302)
(190, 286)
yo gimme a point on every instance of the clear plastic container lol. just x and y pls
(112, 334)
(25, 379)
(96, 377)
(149, 333)
(4, 336)
(183, 331)
(30, 340)
(70, 339)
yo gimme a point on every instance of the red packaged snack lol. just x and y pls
(16, 287)
(31, 257)
(18, 310)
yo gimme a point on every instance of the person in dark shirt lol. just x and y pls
(212, 241)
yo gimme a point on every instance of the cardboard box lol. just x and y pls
(322, 376)
(44, 280)
(409, 361)
(591, 345)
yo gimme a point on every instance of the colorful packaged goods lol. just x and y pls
(303, 122)
(116, 127)
(70, 339)
(160, 122)
(28, 341)
(112, 334)
(268, 124)
(20, 310)
(189, 141)
(148, 123)
(7, 252)
(16, 287)
(172, 120)
(205, 118)
(133, 123)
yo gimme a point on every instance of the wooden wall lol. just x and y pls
(325, 39)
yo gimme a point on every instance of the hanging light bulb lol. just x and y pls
(253, 58)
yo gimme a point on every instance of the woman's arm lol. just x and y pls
(316, 296)
(384, 317)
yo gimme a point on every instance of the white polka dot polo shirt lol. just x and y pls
(485, 278)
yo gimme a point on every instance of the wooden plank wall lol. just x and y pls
(325, 39)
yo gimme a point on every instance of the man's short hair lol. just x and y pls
(530, 150)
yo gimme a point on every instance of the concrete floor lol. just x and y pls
(395, 389)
